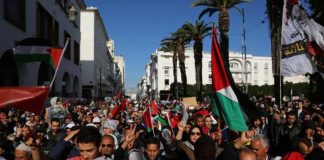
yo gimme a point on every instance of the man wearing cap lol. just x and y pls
(96, 120)
(25, 152)
(108, 128)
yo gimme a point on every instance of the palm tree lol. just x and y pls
(222, 7)
(181, 39)
(168, 45)
(198, 32)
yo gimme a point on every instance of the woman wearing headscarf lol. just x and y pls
(188, 146)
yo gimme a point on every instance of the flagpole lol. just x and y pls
(58, 66)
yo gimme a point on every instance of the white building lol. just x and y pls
(96, 60)
(159, 72)
(52, 20)
(120, 73)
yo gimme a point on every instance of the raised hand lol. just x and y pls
(181, 126)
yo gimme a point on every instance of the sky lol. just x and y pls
(137, 28)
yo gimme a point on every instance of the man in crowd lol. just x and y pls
(107, 147)
(88, 142)
(260, 145)
(288, 134)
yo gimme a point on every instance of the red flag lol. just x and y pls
(29, 99)
(118, 95)
(114, 111)
(154, 108)
(123, 104)
(56, 55)
(148, 119)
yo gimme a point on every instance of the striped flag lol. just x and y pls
(225, 102)
(32, 49)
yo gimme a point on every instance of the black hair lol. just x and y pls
(89, 134)
(153, 140)
(55, 120)
(205, 148)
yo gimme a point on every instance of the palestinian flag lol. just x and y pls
(154, 108)
(148, 120)
(161, 120)
(33, 49)
(228, 102)
(29, 99)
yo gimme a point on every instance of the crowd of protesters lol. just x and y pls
(117, 129)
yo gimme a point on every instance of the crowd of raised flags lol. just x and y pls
(37, 132)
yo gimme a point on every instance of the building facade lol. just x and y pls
(52, 20)
(120, 73)
(159, 72)
(97, 61)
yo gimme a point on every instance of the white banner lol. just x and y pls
(298, 31)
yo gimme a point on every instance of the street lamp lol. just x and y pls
(72, 13)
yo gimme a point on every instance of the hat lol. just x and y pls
(110, 124)
(23, 147)
(70, 125)
(91, 124)
(54, 100)
(96, 120)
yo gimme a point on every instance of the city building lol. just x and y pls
(120, 73)
(159, 71)
(97, 59)
(53, 21)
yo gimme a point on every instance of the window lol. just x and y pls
(266, 66)
(77, 53)
(166, 82)
(14, 12)
(209, 65)
(210, 77)
(166, 71)
(255, 66)
(67, 53)
(234, 65)
(44, 24)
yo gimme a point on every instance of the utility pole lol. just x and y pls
(245, 88)
(244, 60)
(274, 10)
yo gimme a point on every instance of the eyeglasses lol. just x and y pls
(195, 133)
(107, 145)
